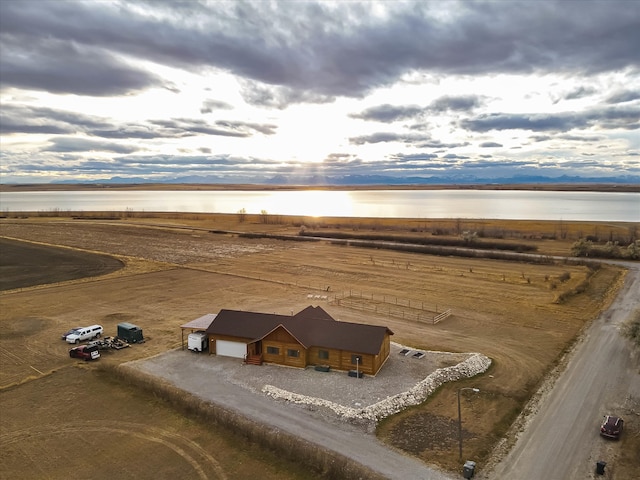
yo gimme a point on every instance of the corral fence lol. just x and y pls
(442, 316)
(407, 309)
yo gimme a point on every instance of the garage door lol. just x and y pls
(231, 349)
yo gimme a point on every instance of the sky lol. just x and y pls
(288, 91)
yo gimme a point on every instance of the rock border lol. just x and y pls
(476, 363)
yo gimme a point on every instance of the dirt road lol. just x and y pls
(561, 441)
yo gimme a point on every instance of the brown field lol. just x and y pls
(177, 270)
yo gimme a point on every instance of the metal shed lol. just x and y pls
(130, 333)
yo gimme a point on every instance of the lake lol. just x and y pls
(494, 204)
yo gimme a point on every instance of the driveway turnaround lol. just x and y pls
(233, 386)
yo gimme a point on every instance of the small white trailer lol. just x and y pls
(197, 341)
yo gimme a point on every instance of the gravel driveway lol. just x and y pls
(231, 384)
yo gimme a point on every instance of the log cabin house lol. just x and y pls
(309, 338)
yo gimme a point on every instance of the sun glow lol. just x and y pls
(311, 203)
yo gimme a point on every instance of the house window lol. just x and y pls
(273, 350)
(356, 359)
(323, 354)
(293, 353)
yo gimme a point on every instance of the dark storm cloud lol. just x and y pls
(534, 122)
(75, 144)
(582, 138)
(141, 132)
(29, 119)
(414, 156)
(323, 49)
(209, 106)
(184, 127)
(383, 137)
(624, 96)
(389, 113)
(462, 103)
(264, 128)
(607, 118)
(578, 93)
(339, 157)
(440, 144)
(62, 67)
(193, 165)
(255, 93)
(540, 138)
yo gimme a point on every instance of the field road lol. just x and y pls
(561, 440)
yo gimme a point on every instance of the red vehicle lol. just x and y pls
(85, 352)
(611, 426)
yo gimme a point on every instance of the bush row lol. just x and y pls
(610, 250)
(467, 241)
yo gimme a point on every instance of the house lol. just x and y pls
(310, 337)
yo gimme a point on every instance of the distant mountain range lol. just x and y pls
(360, 180)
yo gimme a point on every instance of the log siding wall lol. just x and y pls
(338, 359)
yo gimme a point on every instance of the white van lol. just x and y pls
(197, 342)
(85, 333)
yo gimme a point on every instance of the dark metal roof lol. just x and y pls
(312, 327)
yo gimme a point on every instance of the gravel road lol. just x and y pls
(561, 440)
(227, 382)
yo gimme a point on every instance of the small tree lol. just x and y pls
(633, 250)
(631, 328)
(581, 248)
(242, 215)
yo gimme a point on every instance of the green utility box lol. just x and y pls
(130, 333)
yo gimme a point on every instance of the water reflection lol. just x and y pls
(496, 204)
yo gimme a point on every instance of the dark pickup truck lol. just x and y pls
(85, 352)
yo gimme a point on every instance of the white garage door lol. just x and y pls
(231, 349)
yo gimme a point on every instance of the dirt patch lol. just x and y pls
(25, 264)
(426, 432)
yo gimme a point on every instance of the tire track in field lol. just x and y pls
(141, 431)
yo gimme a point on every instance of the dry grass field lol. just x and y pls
(524, 316)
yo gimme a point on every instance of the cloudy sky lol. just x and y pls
(249, 91)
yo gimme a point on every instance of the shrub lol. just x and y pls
(565, 276)
(631, 328)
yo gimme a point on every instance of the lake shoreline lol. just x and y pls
(559, 187)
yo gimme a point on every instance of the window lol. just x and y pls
(356, 359)
(273, 350)
(293, 353)
(323, 354)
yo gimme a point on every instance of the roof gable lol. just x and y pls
(313, 313)
(286, 330)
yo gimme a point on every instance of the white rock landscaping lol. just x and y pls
(474, 364)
